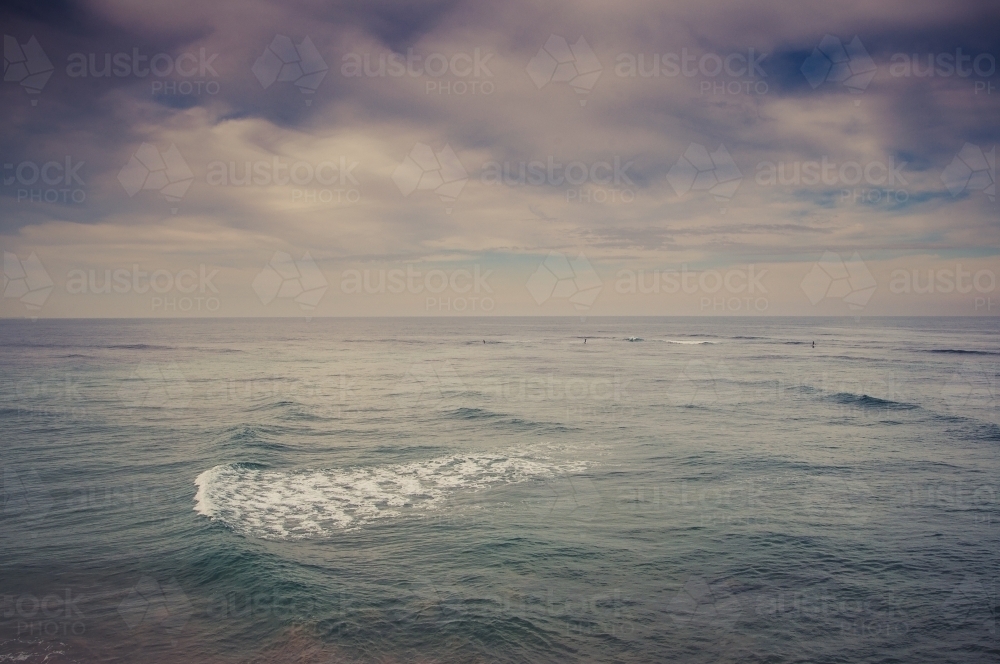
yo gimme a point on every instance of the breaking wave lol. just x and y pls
(307, 504)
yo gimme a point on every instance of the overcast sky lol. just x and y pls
(501, 158)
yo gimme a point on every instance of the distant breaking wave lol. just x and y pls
(959, 351)
(306, 504)
(866, 401)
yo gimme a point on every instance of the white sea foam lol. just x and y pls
(304, 504)
(686, 342)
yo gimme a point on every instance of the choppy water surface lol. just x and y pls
(497, 490)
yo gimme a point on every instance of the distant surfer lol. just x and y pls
(585, 341)
(814, 344)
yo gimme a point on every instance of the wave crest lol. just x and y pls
(303, 504)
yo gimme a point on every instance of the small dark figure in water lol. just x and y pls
(814, 344)
(484, 341)
(585, 340)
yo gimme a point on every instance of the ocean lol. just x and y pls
(500, 490)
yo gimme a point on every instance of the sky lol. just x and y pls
(450, 158)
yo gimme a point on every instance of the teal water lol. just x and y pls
(697, 490)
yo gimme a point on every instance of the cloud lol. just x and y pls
(467, 82)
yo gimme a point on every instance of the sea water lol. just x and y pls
(449, 489)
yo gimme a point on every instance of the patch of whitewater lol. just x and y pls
(283, 505)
